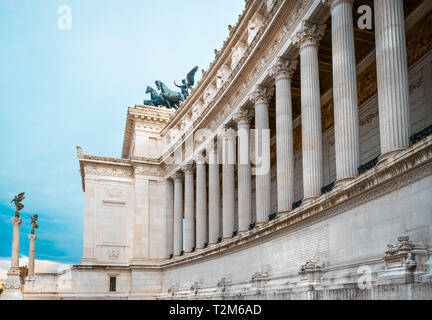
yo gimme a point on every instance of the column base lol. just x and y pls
(388, 155)
(307, 201)
(342, 181)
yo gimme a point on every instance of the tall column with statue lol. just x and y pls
(31, 261)
(13, 286)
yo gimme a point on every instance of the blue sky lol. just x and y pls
(63, 88)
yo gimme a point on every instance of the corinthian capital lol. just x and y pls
(228, 133)
(284, 68)
(309, 34)
(261, 95)
(178, 176)
(16, 221)
(188, 169)
(244, 115)
(199, 158)
(334, 3)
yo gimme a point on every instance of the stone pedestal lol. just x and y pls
(405, 263)
(310, 278)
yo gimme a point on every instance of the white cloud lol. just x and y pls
(41, 266)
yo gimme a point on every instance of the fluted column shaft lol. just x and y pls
(244, 172)
(31, 259)
(169, 217)
(15, 243)
(178, 214)
(346, 121)
(392, 74)
(261, 98)
(201, 203)
(228, 186)
(307, 40)
(214, 195)
(283, 72)
(189, 209)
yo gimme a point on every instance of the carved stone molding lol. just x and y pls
(284, 68)
(310, 34)
(311, 266)
(223, 285)
(108, 170)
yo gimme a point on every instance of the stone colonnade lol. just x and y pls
(204, 216)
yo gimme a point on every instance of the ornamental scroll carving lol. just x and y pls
(109, 171)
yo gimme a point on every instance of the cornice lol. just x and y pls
(115, 167)
(147, 118)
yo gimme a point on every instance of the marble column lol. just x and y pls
(392, 74)
(282, 72)
(189, 212)
(31, 259)
(15, 245)
(201, 201)
(214, 193)
(346, 122)
(261, 98)
(307, 39)
(178, 213)
(169, 217)
(228, 186)
(244, 199)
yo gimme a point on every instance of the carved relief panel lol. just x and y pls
(237, 54)
(254, 25)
